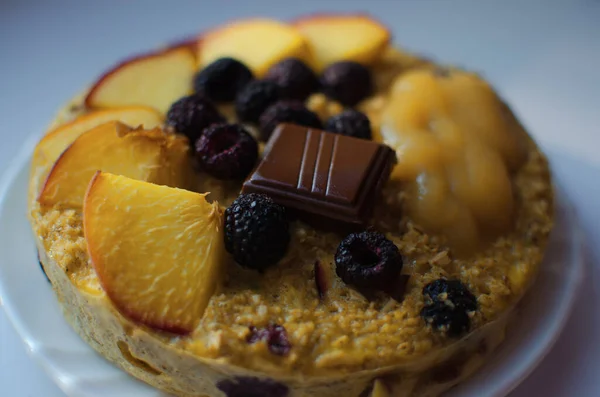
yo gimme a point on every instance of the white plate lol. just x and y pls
(32, 308)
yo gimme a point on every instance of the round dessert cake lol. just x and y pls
(290, 209)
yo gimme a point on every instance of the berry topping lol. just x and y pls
(448, 304)
(274, 335)
(222, 80)
(256, 231)
(254, 98)
(190, 115)
(347, 82)
(294, 77)
(350, 122)
(226, 151)
(368, 260)
(287, 112)
(246, 386)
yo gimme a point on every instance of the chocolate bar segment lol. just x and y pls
(325, 178)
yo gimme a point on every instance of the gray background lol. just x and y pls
(543, 56)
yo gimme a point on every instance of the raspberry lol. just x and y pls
(246, 386)
(447, 306)
(275, 336)
(368, 260)
(347, 82)
(226, 151)
(294, 77)
(190, 115)
(287, 112)
(254, 98)
(256, 231)
(222, 80)
(350, 122)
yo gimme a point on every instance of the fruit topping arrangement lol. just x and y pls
(219, 100)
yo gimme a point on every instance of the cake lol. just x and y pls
(290, 209)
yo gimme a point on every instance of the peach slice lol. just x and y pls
(149, 155)
(155, 80)
(158, 251)
(57, 140)
(258, 43)
(340, 37)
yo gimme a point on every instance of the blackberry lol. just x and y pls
(287, 112)
(294, 77)
(447, 306)
(254, 98)
(350, 122)
(347, 82)
(190, 115)
(222, 80)
(226, 151)
(368, 260)
(256, 231)
(247, 386)
(274, 335)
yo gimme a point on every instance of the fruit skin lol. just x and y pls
(222, 80)
(368, 260)
(157, 251)
(246, 386)
(294, 77)
(287, 112)
(254, 99)
(226, 151)
(191, 114)
(145, 87)
(447, 306)
(256, 231)
(350, 122)
(335, 37)
(259, 43)
(347, 82)
(274, 335)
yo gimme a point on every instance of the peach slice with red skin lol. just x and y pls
(149, 155)
(157, 251)
(258, 43)
(344, 37)
(157, 80)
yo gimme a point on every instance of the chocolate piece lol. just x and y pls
(326, 178)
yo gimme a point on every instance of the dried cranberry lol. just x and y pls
(274, 335)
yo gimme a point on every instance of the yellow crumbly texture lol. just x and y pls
(342, 342)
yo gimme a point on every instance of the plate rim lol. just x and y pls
(564, 309)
